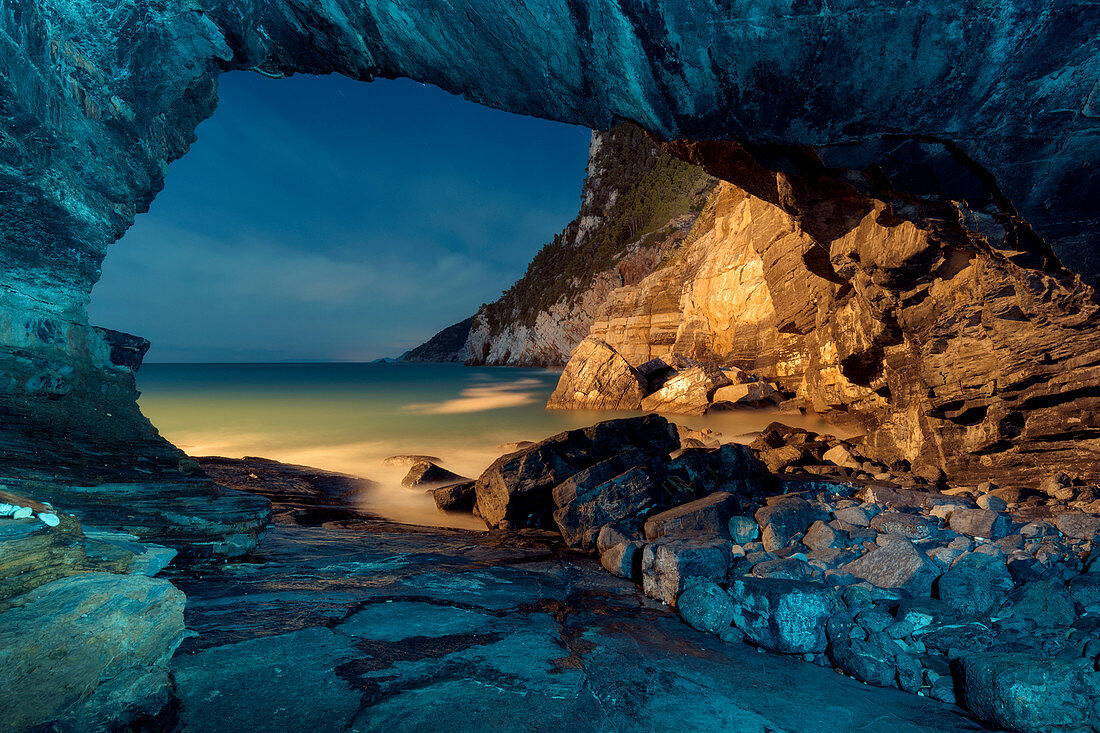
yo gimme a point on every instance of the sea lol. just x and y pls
(349, 417)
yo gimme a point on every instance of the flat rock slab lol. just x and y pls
(365, 625)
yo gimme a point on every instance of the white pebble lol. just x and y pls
(6, 509)
(22, 512)
(50, 520)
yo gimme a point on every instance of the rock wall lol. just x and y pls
(97, 98)
(637, 203)
(947, 354)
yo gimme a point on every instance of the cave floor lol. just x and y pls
(357, 624)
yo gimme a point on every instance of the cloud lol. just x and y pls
(480, 399)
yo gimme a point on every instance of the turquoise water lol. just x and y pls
(349, 417)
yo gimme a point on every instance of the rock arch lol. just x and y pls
(977, 121)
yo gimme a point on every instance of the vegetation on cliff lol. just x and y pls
(632, 192)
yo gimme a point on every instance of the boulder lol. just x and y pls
(912, 526)
(588, 479)
(820, 536)
(1024, 692)
(1084, 591)
(1059, 487)
(732, 468)
(1078, 525)
(63, 640)
(597, 377)
(787, 568)
(978, 523)
(777, 459)
(749, 395)
(841, 456)
(785, 518)
(743, 530)
(457, 497)
(706, 607)
(1045, 603)
(687, 392)
(975, 585)
(708, 516)
(897, 563)
(992, 502)
(866, 661)
(627, 495)
(783, 615)
(623, 559)
(516, 490)
(670, 566)
(426, 473)
(854, 515)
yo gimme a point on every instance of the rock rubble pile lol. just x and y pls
(797, 544)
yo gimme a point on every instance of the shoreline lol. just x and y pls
(865, 598)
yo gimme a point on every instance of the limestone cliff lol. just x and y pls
(637, 203)
(946, 353)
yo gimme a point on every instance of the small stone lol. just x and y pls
(975, 584)
(49, 519)
(993, 503)
(706, 607)
(23, 512)
(841, 456)
(743, 530)
(1078, 525)
(979, 523)
(854, 515)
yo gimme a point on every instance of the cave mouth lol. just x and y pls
(297, 243)
(319, 224)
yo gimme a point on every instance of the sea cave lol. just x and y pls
(812, 378)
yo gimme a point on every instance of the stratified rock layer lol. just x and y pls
(638, 202)
(947, 353)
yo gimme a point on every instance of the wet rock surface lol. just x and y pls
(360, 624)
(87, 650)
(890, 576)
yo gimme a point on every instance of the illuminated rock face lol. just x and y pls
(949, 356)
(980, 118)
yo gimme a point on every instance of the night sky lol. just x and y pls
(318, 218)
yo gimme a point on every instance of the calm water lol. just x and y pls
(349, 417)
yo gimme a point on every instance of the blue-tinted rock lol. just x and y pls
(671, 565)
(66, 638)
(1023, 693)
(866, 661)
(783, 615)
(975, 585)
(896, 564)
(706, 607)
